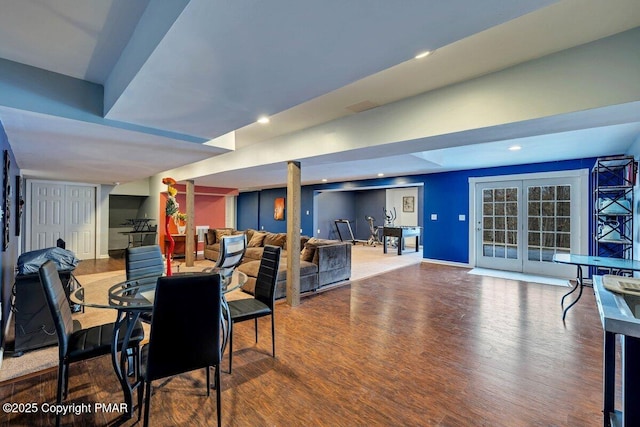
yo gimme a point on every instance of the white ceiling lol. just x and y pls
(180, 73)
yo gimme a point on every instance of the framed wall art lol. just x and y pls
(408, 204)
(6, 205)
(278, 209)
(19, 204)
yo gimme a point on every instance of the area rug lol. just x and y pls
(366, 261)
(520, 276)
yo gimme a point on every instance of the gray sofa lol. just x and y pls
(322, 262)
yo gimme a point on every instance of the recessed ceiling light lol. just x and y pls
(515, 148)
(324, 179)
(422, 54)
(380, 174)
(263, 120)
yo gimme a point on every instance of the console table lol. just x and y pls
(613, 264)
(401, 232)
(180, 248)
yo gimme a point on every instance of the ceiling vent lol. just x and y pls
(362, 106)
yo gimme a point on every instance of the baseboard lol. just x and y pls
(449, 263)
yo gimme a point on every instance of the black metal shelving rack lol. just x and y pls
(613, 180)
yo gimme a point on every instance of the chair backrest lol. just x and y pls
(185, 333)
(144, 261)
(268, 275)
(58, 304)
(232, 250)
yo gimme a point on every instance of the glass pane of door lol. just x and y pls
(498, 227)
(549, 224)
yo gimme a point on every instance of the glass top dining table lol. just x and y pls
(131, 298)
(138, 294)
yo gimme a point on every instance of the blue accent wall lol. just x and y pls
(248, 210)
(445, 194)
(368, 203)
(330, 206)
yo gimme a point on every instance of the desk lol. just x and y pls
(619, 314)
(401, 232)
(614, 264)
(130, 299)
(139, 238)
(180, 248)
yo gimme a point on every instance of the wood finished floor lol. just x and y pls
(424, 345)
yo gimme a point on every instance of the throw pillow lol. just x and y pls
(308, 252)
(249, 233)
(256, 239)
(223, 232)
(275, 239)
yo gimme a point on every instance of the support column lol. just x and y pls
(190, 242)
(293, 233)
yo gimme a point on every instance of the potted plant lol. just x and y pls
(181, 222)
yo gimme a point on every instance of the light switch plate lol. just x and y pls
(434, 217)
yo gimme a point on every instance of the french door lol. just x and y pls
(521, 223)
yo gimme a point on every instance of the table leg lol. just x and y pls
(630, 374)
(575, 288)
(400, 244)
(120, 364)
(609, 376)
(417, 243)
(384, 243)
(579, 284)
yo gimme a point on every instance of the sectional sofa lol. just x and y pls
(322, 262)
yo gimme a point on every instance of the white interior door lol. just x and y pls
(47, 214)
(80, 220)
(522, 223)
(65, 211)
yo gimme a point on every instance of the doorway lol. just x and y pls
(521, 221)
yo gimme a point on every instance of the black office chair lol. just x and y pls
(77, 344)
(144, 264)
(264, 298)
(185, 333)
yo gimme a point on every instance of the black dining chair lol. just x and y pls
(76, 344)
(185, 333)
(232, 249)
(143, 265)
(144, 262)
(262, 304)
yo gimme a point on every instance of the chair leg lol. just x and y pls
(273, 334)
(147, 403)
(140, 396)
(256, 319)
(230, 345)
(208, 369)
(218, 402)
(65, 386)
(62, 368)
